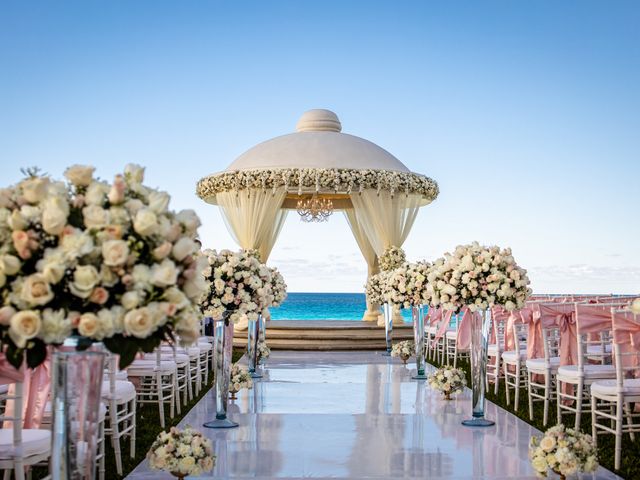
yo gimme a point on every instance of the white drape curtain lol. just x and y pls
(385, 219)
(254, 217)
(369, 254)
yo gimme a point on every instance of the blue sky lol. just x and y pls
(526, 113)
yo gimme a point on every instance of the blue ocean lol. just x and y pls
(324, 306)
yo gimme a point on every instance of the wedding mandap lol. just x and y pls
(315, 171)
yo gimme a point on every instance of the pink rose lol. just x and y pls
(21, 243)
(74, 318)
(161, 252)
(5, 315)
(99, 296)
(116, 194)
(114, 232)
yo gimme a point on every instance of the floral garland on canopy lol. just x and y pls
(392, 258)
(321, 179)
(106, 262)
(240, 284)
(478, 277)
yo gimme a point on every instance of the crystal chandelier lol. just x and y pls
(314, 209)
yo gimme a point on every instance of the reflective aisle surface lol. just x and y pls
(356, 415)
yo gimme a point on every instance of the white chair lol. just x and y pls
(494, 353)
(157, 383)
(183, 371)
(206, 359)
(120, 399)
(19, 447)
(547, 369)
(452, 344)
(514, 366)
(611, 399)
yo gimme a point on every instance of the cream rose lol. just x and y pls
(99, 295)
(34, 189)
(96, 194)
(55, 326)
(115, 252)
(5, 315)
(80, 175)
(164, 274)
(36, 290)
(95, 216)
(117, 193)
(85, 278)
(159, 201)
(89, 325)
(24, 326)
(139, 322)
(54, 215)
(130, 300)
(134, 173)
(189, 219)
(183, 248)
(161, 252)
(10, 264)
(145, 222)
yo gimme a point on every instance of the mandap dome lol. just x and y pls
(319, 165)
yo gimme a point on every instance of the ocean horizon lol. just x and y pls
(324, 306)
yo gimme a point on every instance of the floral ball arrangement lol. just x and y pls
(240, 284)
(376, 288)
(448, 380)
(478, 277)
(391, 259)
(181, 453)
(564, 451)
(406, 285)
(278, 287)
(403, 350)
(105, 261)
(263, 350)
(240, 379)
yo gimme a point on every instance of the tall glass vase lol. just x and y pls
(75, 408)
(253, 332)
(418, 340)
(388, 328)
(222, 349)
(481, 321)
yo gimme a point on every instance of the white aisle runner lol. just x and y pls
(356, 415)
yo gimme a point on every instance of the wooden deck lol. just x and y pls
(326, 335)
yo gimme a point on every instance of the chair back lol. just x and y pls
(626, 345)
(12, 413)
(593, 328)
(520, 332)
(551, 343)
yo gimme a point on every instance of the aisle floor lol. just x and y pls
(357, 415)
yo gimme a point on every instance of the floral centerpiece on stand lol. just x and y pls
(406, 285)
(240, 378)
(278, 288)
(448, 380)
(477, 278)
(102, 261)
(182, 453)
(564, 451)
(376, 287)
(403, 350)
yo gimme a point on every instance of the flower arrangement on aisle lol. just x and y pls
(278, 287)
(240, 284)
(376, 288)
(263, 351)
(240, 378)
(392, 258)
(564, 451)
(182, 453)
(448, 380)
(103, 261)
(477, 277)
(406, 285)
(403, 350)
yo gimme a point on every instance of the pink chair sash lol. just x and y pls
(563, 316)
(626, 333)
(446, 318)
(465, 329)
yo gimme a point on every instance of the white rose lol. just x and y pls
(115, 252)
(164, 274)
(36, 290)
(24, 326)
(76, 244)
(79, 175)
(141, 276)
(17, 221)
(189, 219)
(89, 326)
(145, 222)
(9, 264)
(159, 201)
(56, 327)
(85, 278)
(130, 300)
(96, 194)
(195, 287)
(134, 173)
(54, 215)
(186, 464)
(183, 248)
(34, 189)
(139, 322)
(95, 216)
(174, 295)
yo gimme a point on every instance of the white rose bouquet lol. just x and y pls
(403, 350)
(448, 380)
(240, 284)
(263, 350)
(406, 285)
(478, 277)
(564, 451)
(182, 453)
(278, 287)
(391, 259)
(104, 261)
(240, 379)
(376, 287)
